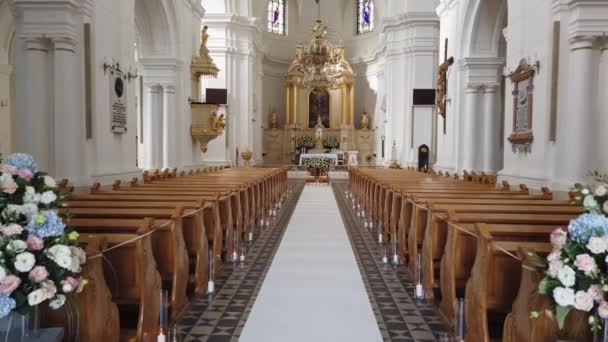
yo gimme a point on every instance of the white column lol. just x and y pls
(575, 141)
(491, 126)
(32, 125)
(170, 134)
(469, 129)
(69, 125)
(153, 133)
(603, 107)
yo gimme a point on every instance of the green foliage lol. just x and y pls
(305, 141)
(317, 163)
(331, 142)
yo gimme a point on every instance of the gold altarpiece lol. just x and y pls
(280, 142)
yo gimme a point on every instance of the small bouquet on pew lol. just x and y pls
(40, 260)
(577, 268)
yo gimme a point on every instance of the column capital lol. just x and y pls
(64, 44)
(154, 88)
(169, 88)
(581, 42)
(490, 88)
(37, 44)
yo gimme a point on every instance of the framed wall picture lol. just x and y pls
(523, 90)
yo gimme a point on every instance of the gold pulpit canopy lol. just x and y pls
(202, 64)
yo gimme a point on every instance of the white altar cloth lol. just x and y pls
(333, 158)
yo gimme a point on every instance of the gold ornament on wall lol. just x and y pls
(274, 120)
(365, 120)
(246, 155)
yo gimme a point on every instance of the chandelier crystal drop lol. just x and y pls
(320, 60)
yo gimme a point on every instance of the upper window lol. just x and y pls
(365, 16)
(276, 16)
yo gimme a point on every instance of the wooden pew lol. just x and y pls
(168, 244)
(194, 231)
(460, 248)
(490, 291)
(97, 318)
(130, 272)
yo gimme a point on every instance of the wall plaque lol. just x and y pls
(118, 101)
(523, 87)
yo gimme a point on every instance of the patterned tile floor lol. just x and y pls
(222, 317)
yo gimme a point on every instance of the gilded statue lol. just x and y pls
(274, 120)
(319, 133)
(217, 123)
(204, 36)
(364, 120)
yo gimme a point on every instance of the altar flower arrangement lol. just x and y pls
(40, 260)
(321, 163)
(331, 142)
(305, 141)
(577, 268)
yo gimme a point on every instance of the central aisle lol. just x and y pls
(313, 290)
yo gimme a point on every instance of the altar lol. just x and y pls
(333, 157)
(315, 100)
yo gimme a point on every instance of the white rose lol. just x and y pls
(48, 197)
(2, 273)
(600, 191)
(589, 202)
(29, 210)
(583, 301)
(57, 302)
(563, 296)
(554, 267)
(16, 246)
(5, 177)
(597, 245)
(30, 190)
(49, 182)
(24, 262)
(61, 255)
(35, 297)
(585, 191)
(567, 276)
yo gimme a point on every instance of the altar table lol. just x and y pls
(333, 158)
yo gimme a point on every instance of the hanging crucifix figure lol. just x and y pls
(442, 85)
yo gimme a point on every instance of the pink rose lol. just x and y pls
(69, 284)
(10, 169)
(9, 284)
(596, 292)
(602, 310)
(38, 274)
(605, 207)
(25, 174)
(34, 243)
(583, 301)
(585, 263)
(11, 229)
(558, 238)
(48, 290)
(9, 187)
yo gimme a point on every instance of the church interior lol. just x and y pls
(303, 170)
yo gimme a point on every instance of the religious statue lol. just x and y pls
(393, 162)
(319, 133)
(442, 82)
(204, 36)
(217, 123)
(364, 120)
(274, 120)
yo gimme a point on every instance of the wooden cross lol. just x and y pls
(442, 85)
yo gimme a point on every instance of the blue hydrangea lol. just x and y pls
(7, 304)
(586, 226)
(22, 161)
(46, 224)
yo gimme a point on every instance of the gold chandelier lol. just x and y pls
(320, 60)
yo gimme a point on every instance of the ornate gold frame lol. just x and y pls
(523, 73)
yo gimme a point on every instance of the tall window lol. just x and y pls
(276, 16)
(365, 16)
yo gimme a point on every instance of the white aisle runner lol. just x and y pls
(313, 291)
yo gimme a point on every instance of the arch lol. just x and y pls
(156, 26)
(482, 27)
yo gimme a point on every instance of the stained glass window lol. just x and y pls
(276, 16)
(365, 16)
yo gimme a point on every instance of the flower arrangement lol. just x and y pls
(331, 142)
(317, 163)
(577, 268)
(40, 260)
(305, 141)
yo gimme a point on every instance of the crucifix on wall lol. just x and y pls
(442, 85)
